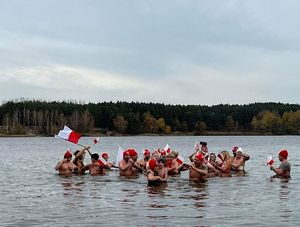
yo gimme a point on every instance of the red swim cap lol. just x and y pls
(132, 153)
(283, 154)
(126, 153)
(104, 155)
(152, 164)
(199, 156)
(146, 152)
(68, 154)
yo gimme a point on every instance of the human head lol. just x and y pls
(68, 155)
(152, 164)
(94, 157)
(105, 156)
(126, 155)
(155, 155)
(212, 157)
(147, 154)
(198, 158)
(204, 144)
(283, 154)
(161, 163)
(226, 155)
(133, 154)
(175, 154)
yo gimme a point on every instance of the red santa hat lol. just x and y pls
(152, 164)
(199, 156)
(68, 154)
(283, 154)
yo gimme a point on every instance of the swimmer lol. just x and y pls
(284, 169)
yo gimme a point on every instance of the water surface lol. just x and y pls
(33, 194)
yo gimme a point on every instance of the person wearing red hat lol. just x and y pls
(136, 166)
(126, 165)
(108, 165)
(152, 174)
(198, 170)
(144, 163)
(284, 169)
(66, 167)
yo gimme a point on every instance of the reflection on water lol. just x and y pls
(33, 194)
(157, 188)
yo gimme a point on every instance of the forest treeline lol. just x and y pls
(131, 118)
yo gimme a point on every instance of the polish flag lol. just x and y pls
(180, 159)
(167, 148)
(96, 140)
(102, 162)
(119, 155)
(69, 134)
(270, 160)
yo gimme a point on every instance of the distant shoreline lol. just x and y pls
(154, 134)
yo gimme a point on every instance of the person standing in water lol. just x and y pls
(238, 163)
(198, 170)
(126, 165)
(79, 157)
(284, 169)
(94, 167)
(66, 166)
(152, 174)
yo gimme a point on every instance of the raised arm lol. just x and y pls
(191, 156)
(59, 164)
(123, 166)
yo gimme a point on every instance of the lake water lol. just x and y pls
(33, 194)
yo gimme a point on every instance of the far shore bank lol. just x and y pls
(154, 134)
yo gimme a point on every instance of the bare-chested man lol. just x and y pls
(172, 164)
(94, 167)
(152, 174)
(162, 170)
(108, 165)
(198, 171)
(79, 157)
(134, 157)
(65, 167)
(144, 163)
(125, 165)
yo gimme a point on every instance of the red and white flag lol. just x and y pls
(270, 160)
(167, 148)
(102, 162)
(69, 134)
(96, 140)
(180, 159)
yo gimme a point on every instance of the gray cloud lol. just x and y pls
(183, 51)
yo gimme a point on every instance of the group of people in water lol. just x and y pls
(160, 164)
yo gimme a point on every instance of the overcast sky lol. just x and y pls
(171, 51)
